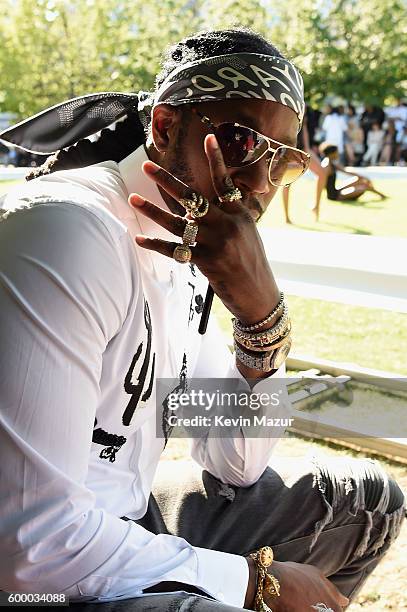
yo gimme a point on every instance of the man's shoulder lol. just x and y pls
(96, 190)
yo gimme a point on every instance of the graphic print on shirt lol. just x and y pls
(196, 303)
(136, 390)
(192, 269)
(181, 387)
(112, 442)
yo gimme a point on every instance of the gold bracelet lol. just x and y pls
(266, 336)
(264, 348)
(273, 313)
(264, 344)
(265, 581)
(275, 329)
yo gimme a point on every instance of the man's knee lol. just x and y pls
(350, 487)
(381, 491)
(365, 480)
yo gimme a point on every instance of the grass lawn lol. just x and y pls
(369, 337)
(6, 185)
(369, 215)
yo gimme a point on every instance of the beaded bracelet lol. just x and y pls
(272, 314)
(268, 335)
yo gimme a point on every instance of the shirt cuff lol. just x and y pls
(223, 576)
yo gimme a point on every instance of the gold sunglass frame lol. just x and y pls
(204, 119)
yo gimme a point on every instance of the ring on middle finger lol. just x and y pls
(196, 205)
(190, 233)
(231, 196)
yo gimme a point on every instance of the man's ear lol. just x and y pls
(164, 123)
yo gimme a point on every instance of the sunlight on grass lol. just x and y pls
(368, 337)
(7, 185)
(367, 216)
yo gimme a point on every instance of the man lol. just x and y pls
(91, 320)
(398, 114)
(334, 126)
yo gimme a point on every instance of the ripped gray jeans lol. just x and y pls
(339, 514)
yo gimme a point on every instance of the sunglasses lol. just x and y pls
(242, 146)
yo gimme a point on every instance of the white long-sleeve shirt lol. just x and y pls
(88, 321)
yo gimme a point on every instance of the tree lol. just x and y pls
(57, 49)
(52, 50)
(356, 49)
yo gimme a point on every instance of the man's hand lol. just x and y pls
(229, 251)
(302, 586)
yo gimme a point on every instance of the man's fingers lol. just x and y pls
(342, 600)
(156, 244)
(219, 172)
(173, 223)
(172, 185)
(175, 188)
(164, 247)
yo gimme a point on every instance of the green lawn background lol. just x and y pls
(368, 216)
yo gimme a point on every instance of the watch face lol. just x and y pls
(281, 354)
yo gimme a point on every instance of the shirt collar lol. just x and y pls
(136, 181)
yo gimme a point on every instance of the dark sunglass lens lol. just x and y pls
(287, 166)
(239, 145)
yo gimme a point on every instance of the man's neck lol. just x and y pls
(159, 158)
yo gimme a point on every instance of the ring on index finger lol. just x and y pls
(231, 196)
(196, 205)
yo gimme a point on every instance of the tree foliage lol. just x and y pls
(57, 49)
(51, 50)
(355, 49)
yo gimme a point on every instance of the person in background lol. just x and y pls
(375, 139)
(354, 139)
(371, 115)
(304, 141)
(403, 148)
(353, 188)
(389, 144)
(334, 126)
(350, 111)
(399, 115)
(313, 116)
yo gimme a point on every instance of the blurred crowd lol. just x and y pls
(368, 136)
(11, 156)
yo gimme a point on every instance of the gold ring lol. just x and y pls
(196, 205)
(190, 232)
(182, 253)
(231, 196)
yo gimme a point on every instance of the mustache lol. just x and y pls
(254, 206)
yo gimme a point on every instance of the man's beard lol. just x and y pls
(179, 167)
